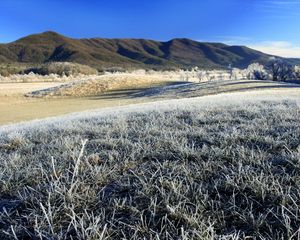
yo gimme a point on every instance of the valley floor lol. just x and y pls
(15, 107)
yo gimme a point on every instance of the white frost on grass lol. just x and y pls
(205, 102)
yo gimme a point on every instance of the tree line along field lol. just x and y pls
(203, 168)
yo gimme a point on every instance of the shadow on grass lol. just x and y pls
(131, 92)
(289, 82)
(186, 89)
(203, 92)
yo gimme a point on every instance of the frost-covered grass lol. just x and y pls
(188, 169)
(188, 89)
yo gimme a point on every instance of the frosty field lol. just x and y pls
(150, 120)
(214, 167)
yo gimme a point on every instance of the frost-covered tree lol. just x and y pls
(297, 72)
(279, 69)
(256, 71)
(202, 76)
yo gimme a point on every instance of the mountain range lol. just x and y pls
(128, 53)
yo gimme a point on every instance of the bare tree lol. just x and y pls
(279, 69)
(259, 75)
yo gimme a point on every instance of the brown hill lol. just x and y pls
(103, 53)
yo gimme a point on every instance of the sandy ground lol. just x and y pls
(14, 107)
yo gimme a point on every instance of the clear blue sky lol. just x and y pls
(269, 25)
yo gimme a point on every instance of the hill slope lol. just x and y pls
(100, 52)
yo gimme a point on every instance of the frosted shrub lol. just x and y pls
(257, 71)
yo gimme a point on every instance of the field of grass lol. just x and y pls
(216, 167)
(19, 108)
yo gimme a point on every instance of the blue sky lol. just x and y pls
(268, 25)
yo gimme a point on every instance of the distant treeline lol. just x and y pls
(58, 68)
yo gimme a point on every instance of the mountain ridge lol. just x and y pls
(50, 46)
